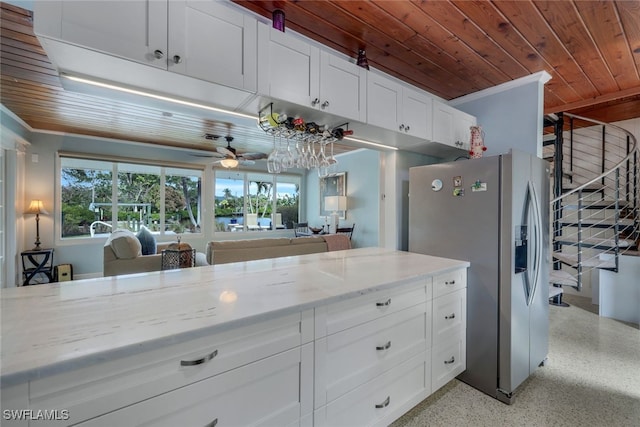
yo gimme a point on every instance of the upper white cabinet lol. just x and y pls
(343, 88)
(290, 69)
(212, 42)
(135, 30)
(452, 126)
(202, 39)
(396, 107)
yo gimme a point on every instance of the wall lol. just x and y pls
(363, 192)
(510, 114)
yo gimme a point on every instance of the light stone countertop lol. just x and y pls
(47, 329)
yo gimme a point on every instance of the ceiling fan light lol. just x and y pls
(229, 163)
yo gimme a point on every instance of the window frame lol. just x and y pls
(199, 169)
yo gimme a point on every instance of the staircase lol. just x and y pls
(595, 206)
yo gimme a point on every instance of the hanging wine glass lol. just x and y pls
(323, 166)
(273, 166)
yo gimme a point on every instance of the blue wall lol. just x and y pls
(510, 118)
(363, 193)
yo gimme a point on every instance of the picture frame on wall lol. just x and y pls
(333, 185)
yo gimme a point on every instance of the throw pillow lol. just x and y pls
(124, 244)
(147, 240)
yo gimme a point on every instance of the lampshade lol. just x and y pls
(36, 207)
(229, 163)
(335, 203)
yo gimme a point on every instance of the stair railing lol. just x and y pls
(598, 220)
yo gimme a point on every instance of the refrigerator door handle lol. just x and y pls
(533, 199)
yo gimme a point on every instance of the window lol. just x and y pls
(95, 195)
(255, 201)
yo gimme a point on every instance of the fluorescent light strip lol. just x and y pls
(158, 97)
(375, 144)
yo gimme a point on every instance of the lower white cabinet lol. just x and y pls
(381, 400)
(266, 392)
(362, 361)
(448, 361)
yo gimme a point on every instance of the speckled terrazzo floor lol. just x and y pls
(592, 379)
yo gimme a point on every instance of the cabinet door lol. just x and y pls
(462, 129)
(443, 123)
(384, 102)
(212, 42)
(266, 392)
(416, 114)
(135, 30)
(381, 400)
(288, 68)
(343, 87)
(345, 360)
(449, 359)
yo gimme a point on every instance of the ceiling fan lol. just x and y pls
(229, 156)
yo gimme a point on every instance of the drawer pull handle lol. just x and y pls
(383, 304)
(200, 361)
(451, 316)
(384, 347)
(450, 361)
(213, 423)
(453, 282)
(384, 404)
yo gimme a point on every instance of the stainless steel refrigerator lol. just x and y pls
(494, 213)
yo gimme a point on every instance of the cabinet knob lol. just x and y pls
(158, 54)
(177, 59)
(401, 127)
(406, 128)
(315, 102)
(325, 104)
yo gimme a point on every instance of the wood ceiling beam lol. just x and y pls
(593, 101)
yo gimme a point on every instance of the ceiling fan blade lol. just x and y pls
(225, 151)
(252, 156)
(212, 154)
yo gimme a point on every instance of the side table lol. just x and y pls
(178, 258)
(37, 262)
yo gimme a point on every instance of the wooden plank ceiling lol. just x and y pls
(449, 48)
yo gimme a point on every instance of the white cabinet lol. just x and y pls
(396, 107)
(452, 126)
(290, 69)
(347, 359)
(135, 30)
(101, 388)
(202, 39)
(265, 392)
(381, 400)
(343, 88)
(212, 42)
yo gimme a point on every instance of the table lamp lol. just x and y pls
(335, 204)
(37, 207)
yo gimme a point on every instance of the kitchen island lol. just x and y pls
(245, 343)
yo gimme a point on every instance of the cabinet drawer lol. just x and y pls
(266, 392)
(96, 389)
(449, 360)
(449, 282)
(449, 315)
(380, 401)
(355, 311)
(352, 357)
